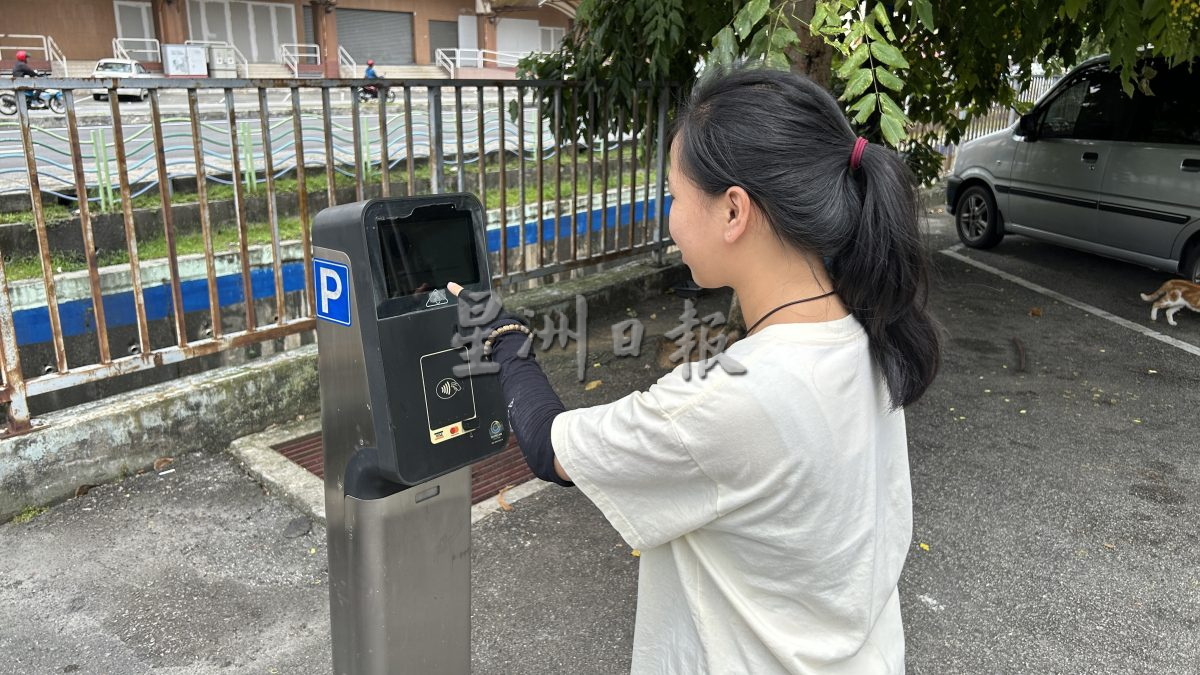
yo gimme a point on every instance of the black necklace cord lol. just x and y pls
(787, 304)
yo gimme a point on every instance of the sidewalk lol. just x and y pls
(1054, 531)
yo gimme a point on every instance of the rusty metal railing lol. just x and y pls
(179, 228)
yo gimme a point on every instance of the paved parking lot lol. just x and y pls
(1056, 508)
(1058, 501)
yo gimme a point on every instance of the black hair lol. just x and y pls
(784, 140)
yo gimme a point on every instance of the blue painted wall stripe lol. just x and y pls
(33, 325)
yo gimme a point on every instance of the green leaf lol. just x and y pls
(1072, 8)
(724, 49)
(889, 55)
(925, 12)
(893, 130)
(864, 107)
(881, 17)
(783, 37)
(856, 59)
(888, 79)
(778, 60)
(874, 33)
(749, 16)
(818, 19)
(889, 107)
(758, 44)
(857, 84)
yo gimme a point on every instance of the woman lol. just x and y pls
(772, 508)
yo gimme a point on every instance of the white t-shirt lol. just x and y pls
(772, 509)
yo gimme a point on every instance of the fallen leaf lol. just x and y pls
(500, 498)
(83, 490)
(162, 462)
(1152, 371)
(592, 385)
(1137, 421)
(1035, 312)
(635, 553)
(1109, 546)
(1021, 411)
(924, 546)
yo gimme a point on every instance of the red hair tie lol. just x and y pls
(860, 145)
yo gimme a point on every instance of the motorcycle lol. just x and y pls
(42, 99)
(370, 93)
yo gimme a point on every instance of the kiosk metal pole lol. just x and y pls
(400, 427)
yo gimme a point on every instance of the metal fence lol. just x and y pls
(556, 202)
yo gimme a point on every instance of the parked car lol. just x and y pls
(1094, 169)
(120, 68)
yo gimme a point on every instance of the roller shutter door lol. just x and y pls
(386, 37)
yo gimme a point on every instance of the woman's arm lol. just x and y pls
(532, 406)
(531, 402)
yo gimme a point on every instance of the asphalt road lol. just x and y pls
(1055, 493)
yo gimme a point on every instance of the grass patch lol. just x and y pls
(224, 239)
(28, 514)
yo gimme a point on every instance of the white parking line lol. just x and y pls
(953, 252)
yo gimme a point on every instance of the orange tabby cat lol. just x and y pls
(1174, 296)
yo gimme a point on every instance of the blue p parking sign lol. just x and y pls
(333, 291)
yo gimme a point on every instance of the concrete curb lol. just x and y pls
(278, 474)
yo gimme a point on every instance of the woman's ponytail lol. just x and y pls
(881, 274)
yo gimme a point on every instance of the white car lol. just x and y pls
(121, 69)
(1093, 169)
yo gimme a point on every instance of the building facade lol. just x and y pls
(391, 32)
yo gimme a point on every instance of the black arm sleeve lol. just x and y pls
(532, 405)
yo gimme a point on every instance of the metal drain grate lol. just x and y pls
(487, 477)
(307, 451)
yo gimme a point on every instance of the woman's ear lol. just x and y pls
(739, 210)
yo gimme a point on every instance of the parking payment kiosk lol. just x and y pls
(400, 427)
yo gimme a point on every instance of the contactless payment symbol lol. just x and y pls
(333, 291)
(447, 388)
(496, 430)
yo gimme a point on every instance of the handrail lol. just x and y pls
(344, 60)
(49, 48)
(452, 59)
(123, 46)
(444, 61)
(55, 54)
(291, 54)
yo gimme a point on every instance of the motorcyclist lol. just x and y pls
(371, 90)
(22, 69)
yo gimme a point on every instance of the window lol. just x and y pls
(1172, 114)
(551, 38)
(1091, 107)
(113, 67)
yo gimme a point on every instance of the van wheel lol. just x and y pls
(977, 219)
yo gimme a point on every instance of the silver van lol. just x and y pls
(1094, 169)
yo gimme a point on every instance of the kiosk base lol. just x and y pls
(405, 603)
